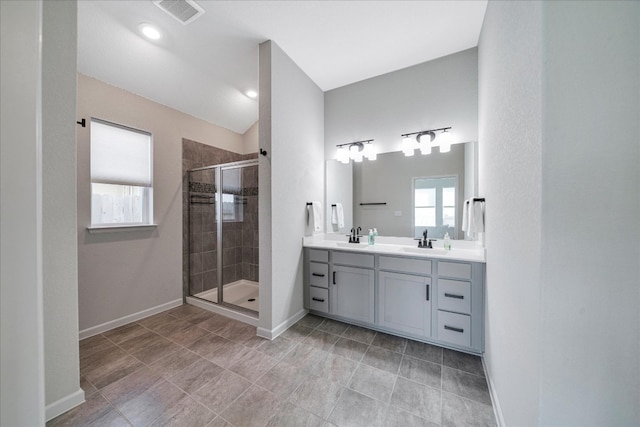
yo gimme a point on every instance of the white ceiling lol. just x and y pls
(204, 68)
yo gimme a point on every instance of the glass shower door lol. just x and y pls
(203, 234)
(240, 235)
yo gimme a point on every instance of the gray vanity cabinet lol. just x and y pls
(352, 293)
(405, 303)
(352, 289)
(317, 280)
(428, 299)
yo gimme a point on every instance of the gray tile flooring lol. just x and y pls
(190, 367)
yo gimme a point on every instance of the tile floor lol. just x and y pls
(190, 367)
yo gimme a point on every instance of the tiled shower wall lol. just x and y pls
(198, 258)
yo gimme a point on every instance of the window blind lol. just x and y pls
(120, 155)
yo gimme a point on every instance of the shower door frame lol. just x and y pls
(218, 213)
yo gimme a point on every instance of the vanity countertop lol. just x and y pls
(462, 250)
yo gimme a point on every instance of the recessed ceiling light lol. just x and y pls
(251, 93)
(150, 32)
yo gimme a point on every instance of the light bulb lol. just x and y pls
(343, 155)
(445, 142)
(425, 147)
(354, 152)
(370, 151)
(251, 94)
(407, 146)
(150, 32)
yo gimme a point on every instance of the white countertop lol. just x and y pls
(462, 250)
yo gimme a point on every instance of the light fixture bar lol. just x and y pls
(355, 142)
(425, 131)
(356, 151)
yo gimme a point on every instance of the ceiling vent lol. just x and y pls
(185, 11)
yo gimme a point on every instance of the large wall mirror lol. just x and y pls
(402, 196)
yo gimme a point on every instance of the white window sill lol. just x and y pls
(99, 229)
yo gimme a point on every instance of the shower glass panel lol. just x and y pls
(229, 266)
(203, 233)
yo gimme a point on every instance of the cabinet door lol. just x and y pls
(405, 303)
(352, 293)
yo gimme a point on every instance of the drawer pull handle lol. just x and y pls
(451, 328)
(318, 299)
(453, 296)
(427, 292)
(317, 274)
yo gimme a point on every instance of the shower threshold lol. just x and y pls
(241, 293)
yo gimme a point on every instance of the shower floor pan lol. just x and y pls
(243, 293)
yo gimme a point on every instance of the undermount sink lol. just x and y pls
(352, 245)
(426, 251)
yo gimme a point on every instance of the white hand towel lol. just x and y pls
(477, 215)
(465, 215)
(317, 216)
(340, 215)
(334, 214)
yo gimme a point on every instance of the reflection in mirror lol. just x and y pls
(434, 206)
(392, 179)
(339, 190)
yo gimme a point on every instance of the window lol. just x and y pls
(121, 168)
(232, 204)
(434, 201)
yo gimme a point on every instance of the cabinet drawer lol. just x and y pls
(454, 295)
(454, 328)
(454, 269)
(350, 258)
(318, 299)
(405, 265)
(318, 255)
(319, 274)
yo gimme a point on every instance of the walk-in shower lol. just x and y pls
(223, 234)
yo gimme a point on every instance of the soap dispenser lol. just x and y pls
(447, 242)
(371, 237)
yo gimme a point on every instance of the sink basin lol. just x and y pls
(426, 251)
(352, 245)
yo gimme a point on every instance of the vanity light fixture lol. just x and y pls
(356, 151)
(425, 140)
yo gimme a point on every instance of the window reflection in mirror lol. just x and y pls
(434, 202)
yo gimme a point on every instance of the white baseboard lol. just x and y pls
(497, 410)
(215, 308)
(271, 334)
(63, 405)
(107, 326)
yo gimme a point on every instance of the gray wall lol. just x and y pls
(39, 284)
(389, 179)
(123, 274)
(557, 80)
(21, 328)
(292, 131)
(510, 121)
(590, 214)
(435, 94)
(60, 248)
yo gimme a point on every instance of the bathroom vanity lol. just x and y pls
(429, 295)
